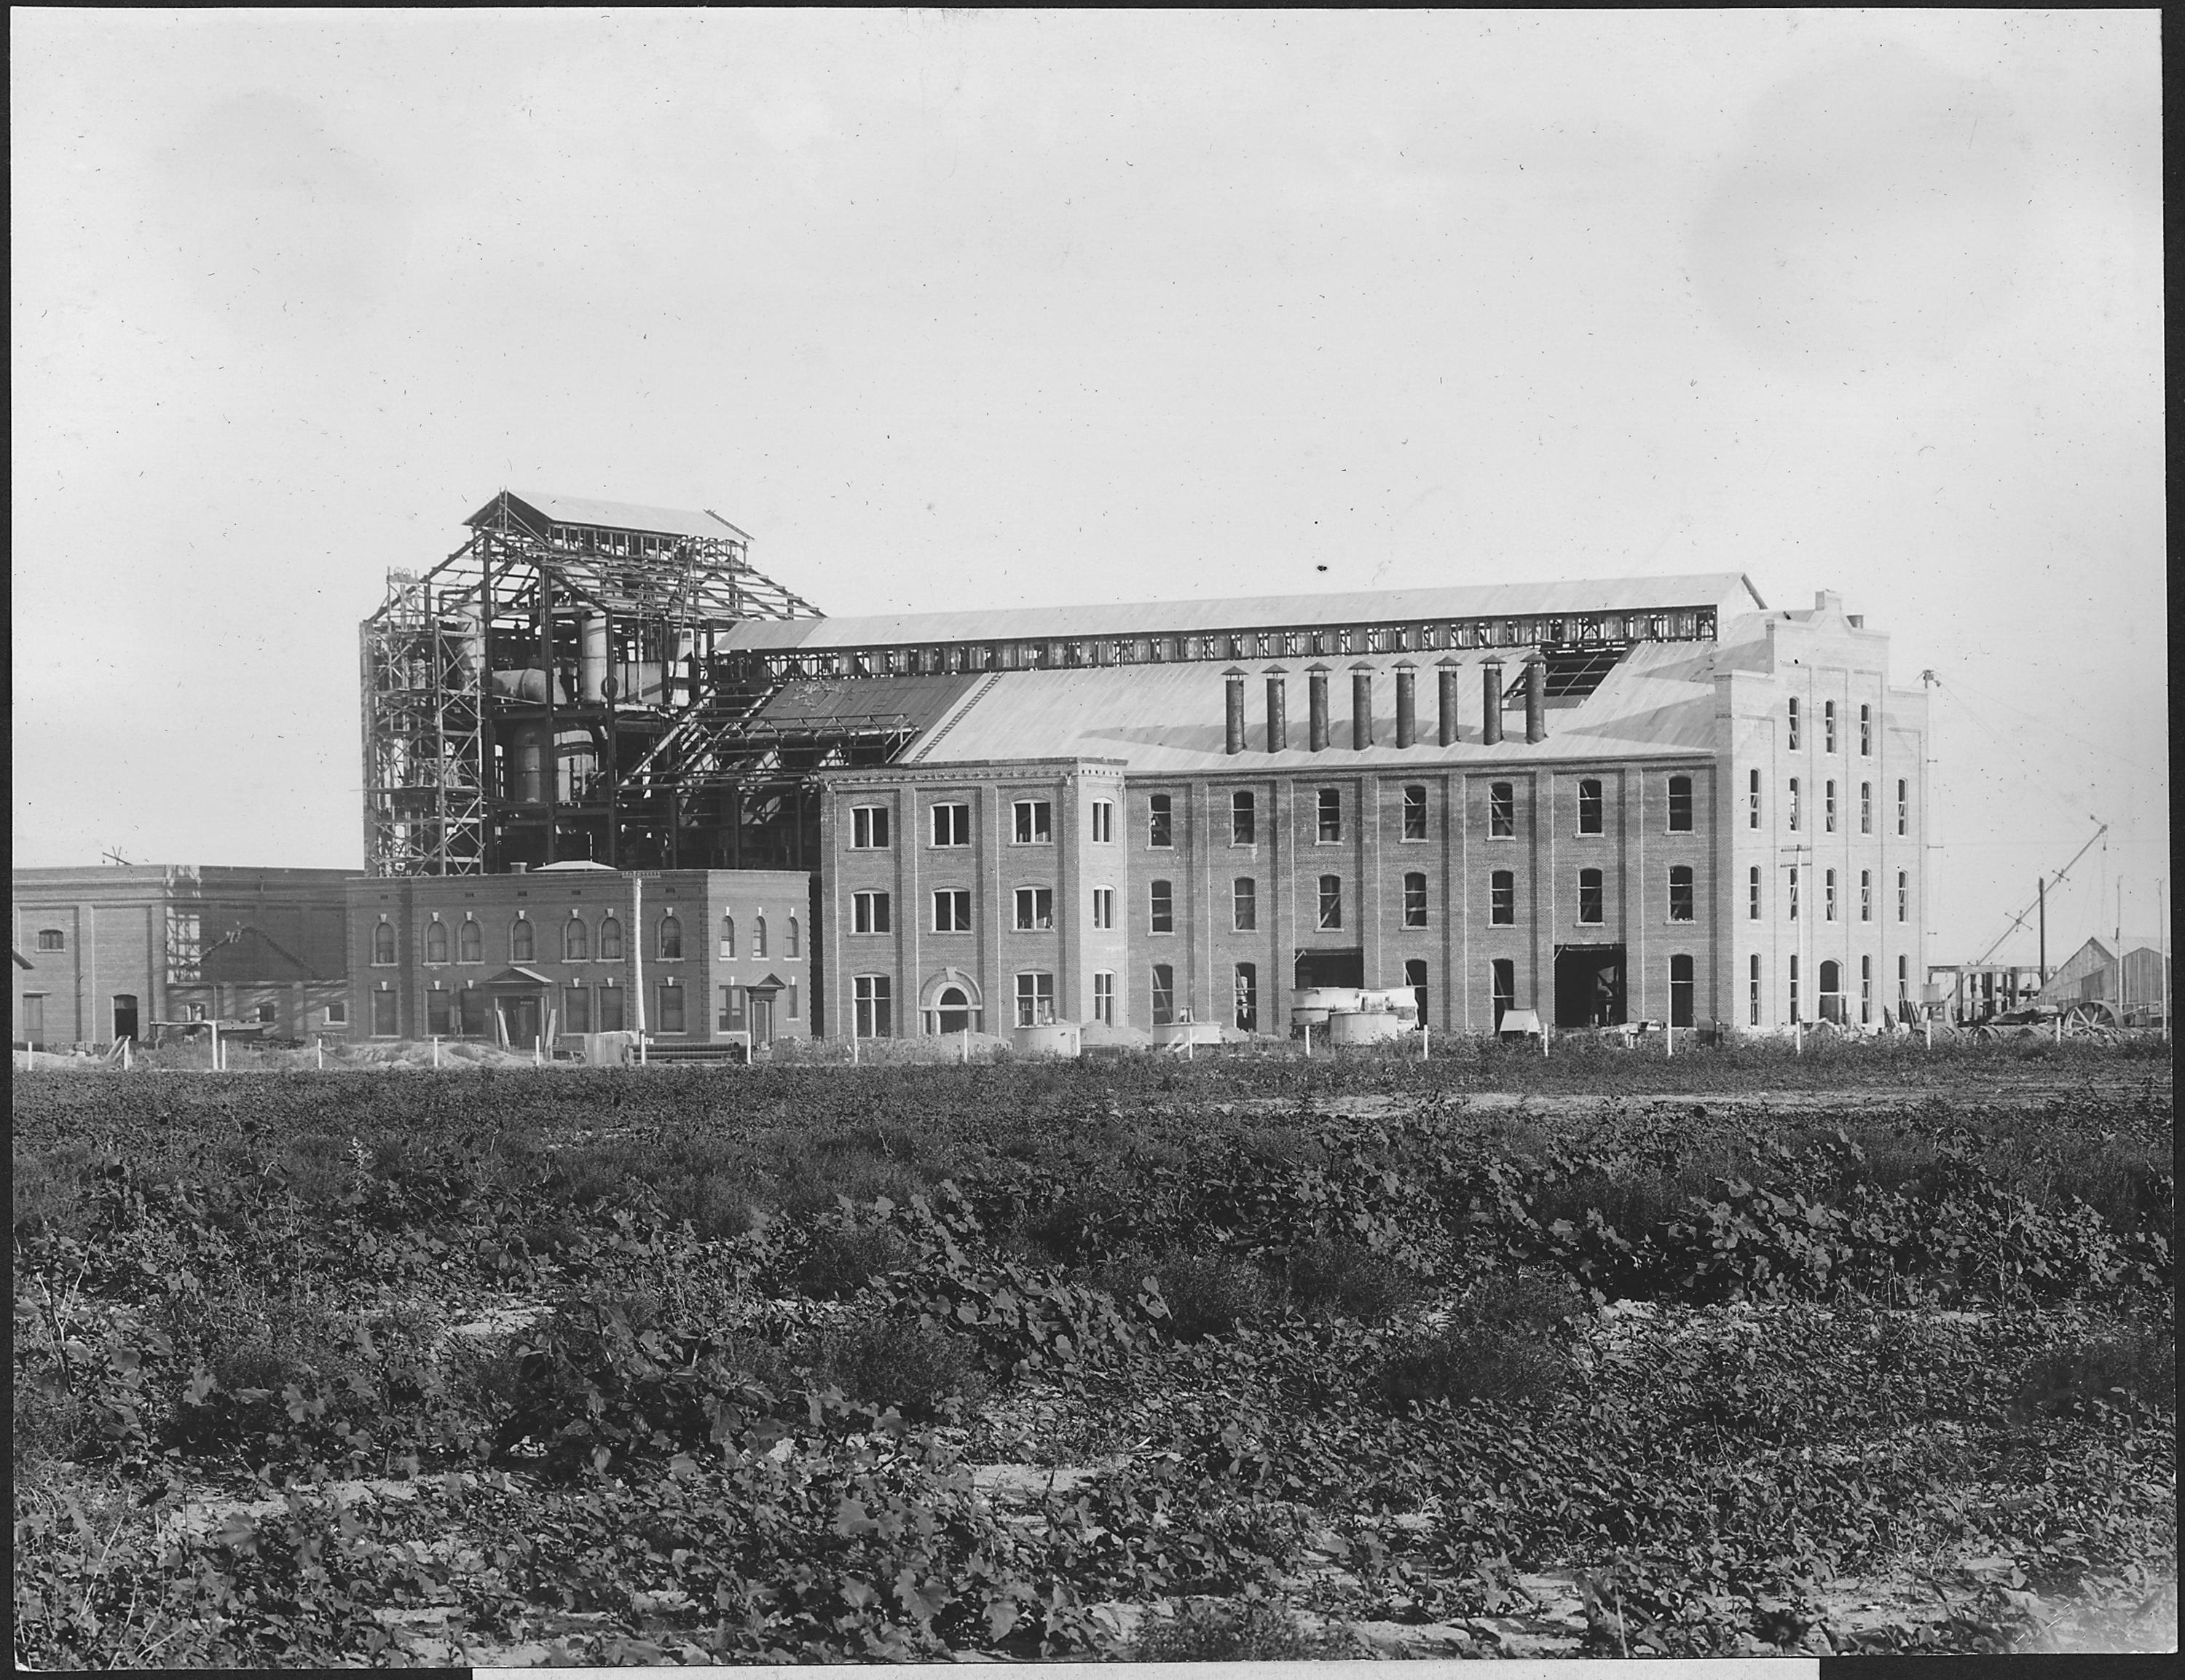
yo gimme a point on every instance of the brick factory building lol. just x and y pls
(1643, 798)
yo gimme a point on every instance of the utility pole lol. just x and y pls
(2041, 961)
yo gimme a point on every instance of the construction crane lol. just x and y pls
(2040, 897)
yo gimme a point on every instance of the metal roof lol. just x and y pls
(551, 509)
(1172, 718)
(1728, 591)
(820, 702)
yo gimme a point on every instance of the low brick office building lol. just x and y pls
(112, 949)
(691, 956)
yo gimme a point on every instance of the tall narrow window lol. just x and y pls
(1794, 892)
(1505, 985)
(732, 1017)
(873, 999)
(1248, 998)
(669, 1000)
(1160, 908)
(1331, 901)
(1866, 807)
(1415, 814)
(1329, 806)
(1752, 799)
(610, 946)
(1903, 808)
(1035, 999)
(1828, 895)
(758, 929)
(1589, 806)
(1244, 820)
(1104, 821)
(1034, 909)
(1866, 894)
(1753, 1002)
(1160, 827)
(1104, 997)
(521, 943)
(1828, 726)
(952, 825)
(1244, 904)
(576, 941)
(385, 1012)
(1903, 896)
(1794, 724)
(1866, 732)
(1680, 805)
(1752, 894)
(1589, 910)
(952, 910)
(612, 1019)
(671, 938)
(575, 1009)
(1502, 811)
(1904, 986)
(1866, 991)
(868, 913)
(1681, 893)
(382, 946)
(1829, 806)
(1794, 989)
(1794, 804)
(1103, 906)
(1503, 899)
(793, 945)
(868, 826)
(1415, 899)
(436, 942)
(1680, 991)
(1163, 979)
(470, 943)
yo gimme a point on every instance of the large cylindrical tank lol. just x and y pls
(530, 685)
(527, 761)
(470, 645)
(591, 656)
(1363, 1026)
(578, 756)
(1054, 1038)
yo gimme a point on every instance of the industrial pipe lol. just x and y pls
(1491, 718)
(1407, 704)
(1536, 697)
(1278, 721)
(1317, 691)
(1361, 706)
(1448, 668)
(1233, 709)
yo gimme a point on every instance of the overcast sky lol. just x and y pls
(959, 309)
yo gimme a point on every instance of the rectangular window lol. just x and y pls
(868, 913)
(1866, 894)
(1331, 901)
(1904, 985)
(1752, 799)
(1680, 991)
(1794, 892)
(1866, 732)
(1035, 999)
(1160, 908)
(1330, 808)
(383, 1009)
(1794, 726)
(1903, 809)
(1505, 989)
(732, 1017)
(1034, 822)
(439, 1014)
(952, 910)
(1903, 896)
(671, 1009)
(1160, 824)
(337, 1014)
(1164, 994)
(1415, 899)
(952, 825)
(1794, 989)
(1753, 1007)
(1829, 806)
(611, 1016)
(1244, 820)
(1247, 993)
(1103, 906)
(1503, 899)
(1866, 807)
(1828, 895)
(868, 826)
(1244, 904)
(1103, 998)
(789, 993)
(1104, 821)
(575, 1009)
(1415, 814)
(1034, 909)
(1753, 894)
(1589, 808)
(872, 998)
(1828, 726)
(1590, 896)
(1502, 811)
(1681, 893)
(1794, 804)
(1866, 991)
(1680, 805)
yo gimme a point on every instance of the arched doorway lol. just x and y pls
(1832, 992)
(955, 1009)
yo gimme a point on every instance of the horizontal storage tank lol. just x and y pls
(530, 685)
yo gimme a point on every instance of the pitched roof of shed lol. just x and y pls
(553, 510)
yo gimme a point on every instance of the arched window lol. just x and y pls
(382, 945)
(791, 944)
(728, 937)
(758, 935)
(436, 942)
(610, 945)
(470, 943)
(576, 941)
(520, 940)
(671, 938)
